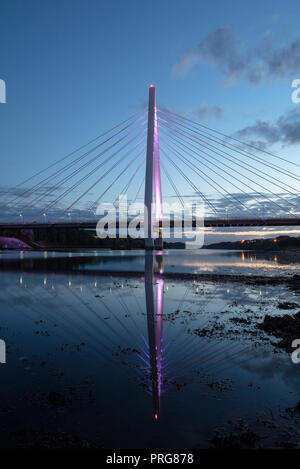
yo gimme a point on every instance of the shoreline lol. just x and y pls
(293, 279)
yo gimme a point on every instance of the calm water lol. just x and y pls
(143, 360)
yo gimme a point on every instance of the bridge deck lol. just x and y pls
(208, 222)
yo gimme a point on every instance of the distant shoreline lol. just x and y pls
(280, 243)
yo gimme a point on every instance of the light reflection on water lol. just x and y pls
(156, 383)
(175, 261)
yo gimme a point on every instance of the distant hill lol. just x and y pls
(280, 243)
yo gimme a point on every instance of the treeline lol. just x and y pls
(280, 243)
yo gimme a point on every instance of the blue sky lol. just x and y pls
(75, 68)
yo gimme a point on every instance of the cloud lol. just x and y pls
(285, 130)
(203, 111)
(285, 61)
(220, 48)
(209, 111)
(248, 204)
(223, 49)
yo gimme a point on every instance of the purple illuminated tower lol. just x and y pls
(152, 175)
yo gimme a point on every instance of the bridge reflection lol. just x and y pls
(155, 324)
(124, 328)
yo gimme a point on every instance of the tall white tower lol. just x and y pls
(152, 175)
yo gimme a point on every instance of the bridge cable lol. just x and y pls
(123, 157)
(126, 188)
(187, 136)
(229, 137)
(183, 159)
(76, 171)
(99, 179)
(139, 190)
(241, 152)
(212, 183)
(198, 192)
(66, 167)
(118, 177)
(88, 174)
(73, 152)
(172, 183)
(232, 176)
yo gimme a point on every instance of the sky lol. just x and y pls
(75, 68)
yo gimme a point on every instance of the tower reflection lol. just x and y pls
(154, 305)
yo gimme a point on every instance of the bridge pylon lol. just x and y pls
(152, 179)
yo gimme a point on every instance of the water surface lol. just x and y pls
(143, 360)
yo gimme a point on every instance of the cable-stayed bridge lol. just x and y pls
(156, 156)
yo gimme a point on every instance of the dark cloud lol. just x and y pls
(209, 111)
(256, 73)
(247, 204)
(15, 201)
(220, 48)
(286, 130)
(25, 192)
(285, 61)
(223, 49)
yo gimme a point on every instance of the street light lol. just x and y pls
(45, 217)
(21, 216)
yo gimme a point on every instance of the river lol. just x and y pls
(122, 349)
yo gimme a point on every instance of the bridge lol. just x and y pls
(156, 151)
(208, 222)
(252, 188)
